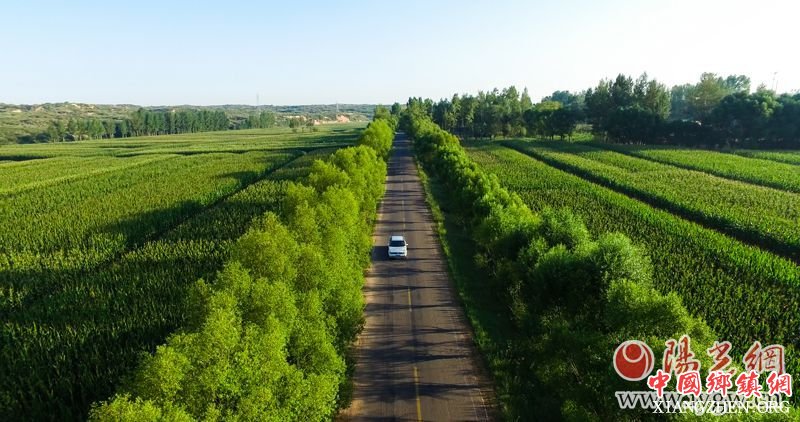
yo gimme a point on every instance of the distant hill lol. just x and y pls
(23, 122)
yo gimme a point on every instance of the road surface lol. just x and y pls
(415, 357)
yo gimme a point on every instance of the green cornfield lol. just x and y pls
(754, 170)
(743, 292)
(758, 215)
(99, 242)
(791, 157)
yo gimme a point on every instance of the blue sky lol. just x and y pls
(302, 52)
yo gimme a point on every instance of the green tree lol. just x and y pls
(737, 83)
(96, 128)
(465, 119)
(525, 100)
(378, 136)
(382, 112)
(654, 97)
(706, 95)
(599, 105)
(563, 122)
(742, 116)
(109, 128)
(56, 131)
(121, 130)
(622, 91)
(294, 123)
(679, 102)
(137, 122)
(266, 119)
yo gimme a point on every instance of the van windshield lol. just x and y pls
(397, 243)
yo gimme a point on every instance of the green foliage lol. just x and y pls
(741, 291)
(626, 110)
(263, 120)
(722, 204)
(706, 94)
(95, 210)
(568, 291)
(549, 119)
(714, 111)
(43, 123)
(77, 318)
(383, 113)
(138, 410)
(270, 334)
(378, 136)
(789, 157)
(752, 170)
(488, 114)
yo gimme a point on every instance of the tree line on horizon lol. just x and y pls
(145, 122)
(714, 111)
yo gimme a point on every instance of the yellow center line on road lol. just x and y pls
(403, 205)
(416, 372)
(416, 388)
(410, 309)
(403, 202)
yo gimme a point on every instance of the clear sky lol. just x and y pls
(303, 52)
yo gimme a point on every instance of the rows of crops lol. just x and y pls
(33, 174)
(267, 338)
(791, 157)
(747, 169)
(572, 296)
(758, 215)
(77, 330)
(744, 293)
(125, 207)
(76, 319)
(193, 143)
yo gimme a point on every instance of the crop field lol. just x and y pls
(99, 242)
(757, 215)
(754, 170)
(791, 157)
(192, 143)
(742, 291)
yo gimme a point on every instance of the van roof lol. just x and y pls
(397, 237)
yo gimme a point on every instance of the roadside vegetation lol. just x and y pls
(110, 254)
(268, 337)
(571, 296)
(741, 291)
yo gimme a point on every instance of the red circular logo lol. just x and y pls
(633, 360)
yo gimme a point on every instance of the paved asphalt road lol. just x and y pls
(416, 360)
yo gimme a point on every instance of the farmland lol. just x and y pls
(693, 260)
(791, 157)
(742, 291)
(27, 123)
(100, 241)
(563, 295)
(754, 214)
(686, 214)
(754, 170)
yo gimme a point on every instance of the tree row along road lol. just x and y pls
(415, 358)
